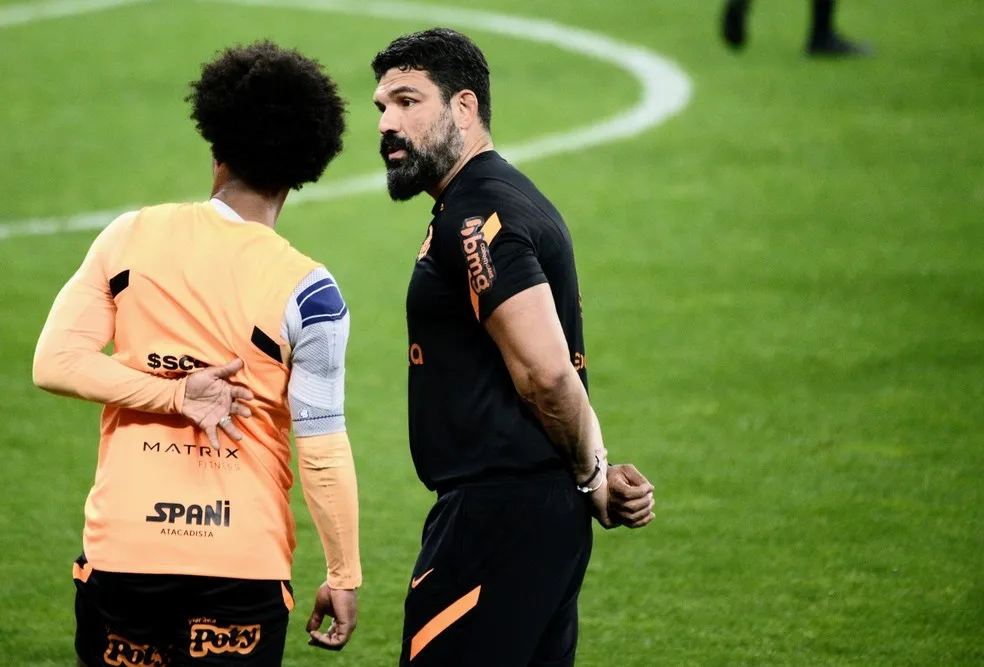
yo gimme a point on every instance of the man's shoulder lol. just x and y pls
(166, 207)
(498, 184)
(161, 211)
(319, 290)
(503, 207)
(301, 259)
(315, 300)
(511, 199)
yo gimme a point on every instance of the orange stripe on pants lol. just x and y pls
(81, 572)
(288, 598)
(440, 623)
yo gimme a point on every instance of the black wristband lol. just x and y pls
(584, 487)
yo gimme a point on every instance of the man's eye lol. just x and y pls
(407, 102)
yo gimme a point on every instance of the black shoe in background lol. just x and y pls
(733, 23)
(833, 45)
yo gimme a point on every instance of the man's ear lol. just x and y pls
(220, 175)
(464, 106)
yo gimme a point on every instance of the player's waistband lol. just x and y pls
(548, 471)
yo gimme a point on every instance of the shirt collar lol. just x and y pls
(481, 157)
(225, 210)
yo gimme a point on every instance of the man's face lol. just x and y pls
(420, 140)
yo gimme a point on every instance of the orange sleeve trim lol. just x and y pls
(288, 598)
(81, 572)
(491, 227)
(442, 621)
(474, 299)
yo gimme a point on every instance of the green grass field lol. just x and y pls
(784, 308)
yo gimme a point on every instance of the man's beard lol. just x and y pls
(423, 168)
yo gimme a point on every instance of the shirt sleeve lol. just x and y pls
(497, 256)
(316, 325)
(68, 359)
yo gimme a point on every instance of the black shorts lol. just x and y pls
(498, 576)
(178, 620)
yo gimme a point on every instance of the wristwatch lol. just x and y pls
(586, 486)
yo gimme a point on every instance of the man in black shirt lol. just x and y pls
(500, 423)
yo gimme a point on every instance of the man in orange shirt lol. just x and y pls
(189, 537)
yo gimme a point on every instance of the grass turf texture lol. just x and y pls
(784, 309)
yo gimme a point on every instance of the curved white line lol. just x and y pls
(666, 90)
(37, 11)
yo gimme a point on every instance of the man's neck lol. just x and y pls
(251, 205)
(482, 144)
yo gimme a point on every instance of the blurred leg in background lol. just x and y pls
(824, 40)
(733, 22)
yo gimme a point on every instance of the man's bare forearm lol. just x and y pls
(567, 416)
(533, 344)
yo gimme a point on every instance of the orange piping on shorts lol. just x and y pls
(440, 623)
(288, 598)
(81, 572)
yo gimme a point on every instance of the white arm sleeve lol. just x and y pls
(316, 325)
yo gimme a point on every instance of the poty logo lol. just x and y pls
(481, 274)
(208, 515)
(207, 638)
(121, 652)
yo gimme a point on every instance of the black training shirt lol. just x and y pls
(493, 235)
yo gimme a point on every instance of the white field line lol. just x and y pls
(37, 11)
(666, 89)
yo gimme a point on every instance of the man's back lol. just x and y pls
(192, 289)
(188, 548)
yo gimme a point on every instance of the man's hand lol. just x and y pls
(343, 607)
(210, 401)
(630, 496)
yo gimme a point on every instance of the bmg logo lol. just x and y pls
(121, 652)
(481, 274)
(207, 638)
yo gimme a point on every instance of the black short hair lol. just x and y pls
(270, 114)
(453, 62)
